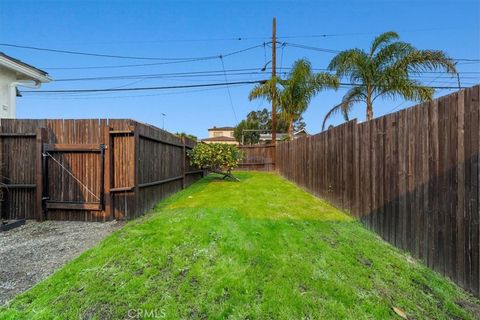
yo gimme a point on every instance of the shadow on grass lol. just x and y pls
(251, 245)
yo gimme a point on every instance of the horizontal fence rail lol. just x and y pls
(411, 176)
(91, 170)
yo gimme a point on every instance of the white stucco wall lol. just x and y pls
(7, 99)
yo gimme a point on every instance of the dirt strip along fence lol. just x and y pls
(411, 176)
(91, 170)
(258, 157)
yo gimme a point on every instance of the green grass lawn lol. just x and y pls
(256, 249)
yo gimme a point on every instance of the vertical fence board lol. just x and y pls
(87, 185)
(414, 176)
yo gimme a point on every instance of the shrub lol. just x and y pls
(216, 157)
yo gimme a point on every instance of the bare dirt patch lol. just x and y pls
(32, 252)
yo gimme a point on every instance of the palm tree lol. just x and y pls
(295, 93)
(384, 71)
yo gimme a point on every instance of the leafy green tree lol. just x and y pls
(186, 135)
(385, 70)
(249, 137)
(216, 157)
(294, 93)
(262, 120)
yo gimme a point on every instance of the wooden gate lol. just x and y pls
(73, 176)
(88, 169)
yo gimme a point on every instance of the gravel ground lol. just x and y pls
(32, 252)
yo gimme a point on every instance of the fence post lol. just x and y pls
(40, 137)
(184, 159)
(136, 170)
(107, 182)
(356, 171)
(275, 156)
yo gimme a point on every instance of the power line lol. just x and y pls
(231, 72)
(192, 86)
(432, 87)
(246, 38)
(327, 35)
(405, 101)
(97, 54)
(228, 91)
(281, 55)
(307, 47)
(239, 51)
(235, 39)
(181, 60)
(470, 60)
(426, 72)
(124, 65)
(145, 88)
(245, 71)
(89, 97)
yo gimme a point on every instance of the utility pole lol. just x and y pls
(274, 74)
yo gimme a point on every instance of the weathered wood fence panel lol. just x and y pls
(92, 170)
(412, 176)
(258, 158)
(322, 164)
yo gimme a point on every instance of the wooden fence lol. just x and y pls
(411, 176)
(92, 170)
(258, 157)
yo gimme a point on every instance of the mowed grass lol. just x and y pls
(256, 249)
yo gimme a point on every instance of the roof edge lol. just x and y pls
(24, 68)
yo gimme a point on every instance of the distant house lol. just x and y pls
(300, 133)
(220, 135)
(266, 138)
(13, 73)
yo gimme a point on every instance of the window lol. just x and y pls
(217, 133)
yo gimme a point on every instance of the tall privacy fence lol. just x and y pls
(258, 158)
(411, 176)
(92, 170)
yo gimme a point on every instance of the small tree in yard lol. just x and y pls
(216, 157)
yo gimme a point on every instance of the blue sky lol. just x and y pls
(174, 29)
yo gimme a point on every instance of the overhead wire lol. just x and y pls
(228, 90)
(145, 88)
(308, 47)
(187, 86)
(178, 61)
(89, 97)
(90, 54)
(233, 72)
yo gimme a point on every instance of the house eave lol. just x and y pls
(23, 72)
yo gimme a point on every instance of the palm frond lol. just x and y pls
(386, 71)
(323, 80)
(419, 61)
(265, 90)
(354, 95)
(392, 52)
(382, 40)
(335, 110)
(408, 89)
(348, 62)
